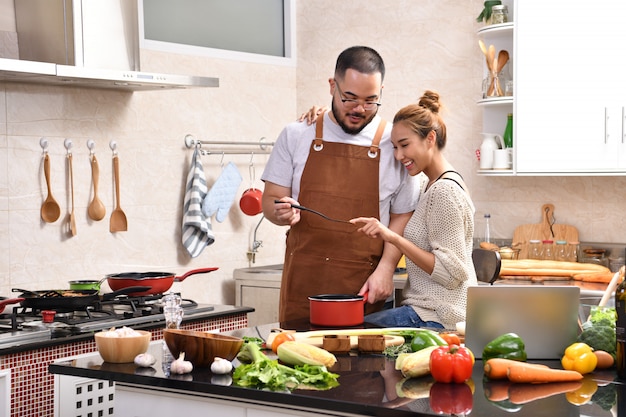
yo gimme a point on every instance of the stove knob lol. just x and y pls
(128, 315)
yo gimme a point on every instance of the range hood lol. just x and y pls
(85, 43)
(20, 71)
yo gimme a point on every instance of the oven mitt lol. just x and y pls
(197, 229)
(221, 196)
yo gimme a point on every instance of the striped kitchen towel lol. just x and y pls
(197, 230)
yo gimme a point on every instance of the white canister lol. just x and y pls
(491, 142)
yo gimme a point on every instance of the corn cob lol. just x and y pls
(299, 353)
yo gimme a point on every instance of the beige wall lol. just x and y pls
(426, 44)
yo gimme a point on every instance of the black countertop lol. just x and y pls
(369, 385)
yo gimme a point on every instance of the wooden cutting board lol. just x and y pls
(546, 229)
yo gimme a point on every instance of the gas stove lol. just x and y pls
(26, 323)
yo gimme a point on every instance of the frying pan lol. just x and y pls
(159, 282)
(67, 300)
(6, 301)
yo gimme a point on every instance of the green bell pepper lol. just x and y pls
(425, 338)
(507, 346)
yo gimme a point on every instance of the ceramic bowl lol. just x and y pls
(201, 348)
(122, 349)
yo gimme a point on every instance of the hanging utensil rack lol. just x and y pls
(229, 147)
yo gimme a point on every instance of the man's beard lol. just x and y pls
(347, 129)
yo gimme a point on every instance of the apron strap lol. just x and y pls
(377, 136)
(318, 142)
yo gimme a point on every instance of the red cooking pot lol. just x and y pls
(159, 282)
(337, 310)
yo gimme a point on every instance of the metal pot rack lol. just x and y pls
(229, 147)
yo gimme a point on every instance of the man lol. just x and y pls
(342, 166)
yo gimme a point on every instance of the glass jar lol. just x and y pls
(499, 14)
(574, 251)
(561, 251)
(534, 249)
(547, 247)
(595, 256)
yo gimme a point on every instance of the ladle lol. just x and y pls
(72, 218)
(50, 209)
(118, 218)
(96, 210)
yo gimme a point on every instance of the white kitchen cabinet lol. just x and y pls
(5, 392)
(570, 91)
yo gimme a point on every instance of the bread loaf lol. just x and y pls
(603, 277)
(532, 267)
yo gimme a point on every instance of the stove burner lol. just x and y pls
(120, 308)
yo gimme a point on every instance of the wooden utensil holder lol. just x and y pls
(371, 343)
(336, 343)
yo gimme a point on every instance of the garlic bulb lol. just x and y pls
(181, 366)
(145, 360)
(221, 366)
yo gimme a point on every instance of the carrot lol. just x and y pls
(497, 368)
(529, 373)
(525, 393)
(497, 390)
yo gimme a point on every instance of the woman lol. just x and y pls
(437, 240)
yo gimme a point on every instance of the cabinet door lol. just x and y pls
(569, 91)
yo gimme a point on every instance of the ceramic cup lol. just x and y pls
(503, 158)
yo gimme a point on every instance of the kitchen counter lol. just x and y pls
(24, 360)
(367, 387)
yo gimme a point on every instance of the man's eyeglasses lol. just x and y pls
(351, 103)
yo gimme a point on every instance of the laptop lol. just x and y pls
(545, 317)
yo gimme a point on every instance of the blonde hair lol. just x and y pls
(423, 116)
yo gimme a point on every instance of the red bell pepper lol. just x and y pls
(455, 399)
(451, 363)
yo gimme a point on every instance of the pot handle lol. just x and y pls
(193, 272)
(365, 297)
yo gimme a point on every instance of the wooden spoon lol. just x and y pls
(491, 55)
(118, 221)
(72, 218)
(96, 210)
(50, 209)
(503, 58)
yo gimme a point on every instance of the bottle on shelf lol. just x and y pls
(620, 330)
(508, 132)
(487, 237)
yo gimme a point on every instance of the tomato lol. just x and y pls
(451, 338)
(281, 338)
(451, 364)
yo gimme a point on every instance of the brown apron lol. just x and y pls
(325, 257)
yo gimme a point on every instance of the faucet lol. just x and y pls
(256, 244)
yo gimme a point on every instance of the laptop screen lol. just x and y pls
(545, 317)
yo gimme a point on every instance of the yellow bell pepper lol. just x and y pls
(579, 357)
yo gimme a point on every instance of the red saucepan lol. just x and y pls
(6, 301)
(337, 310)
(159, 282)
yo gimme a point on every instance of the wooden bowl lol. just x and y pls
(201, 348)
(122, 349)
